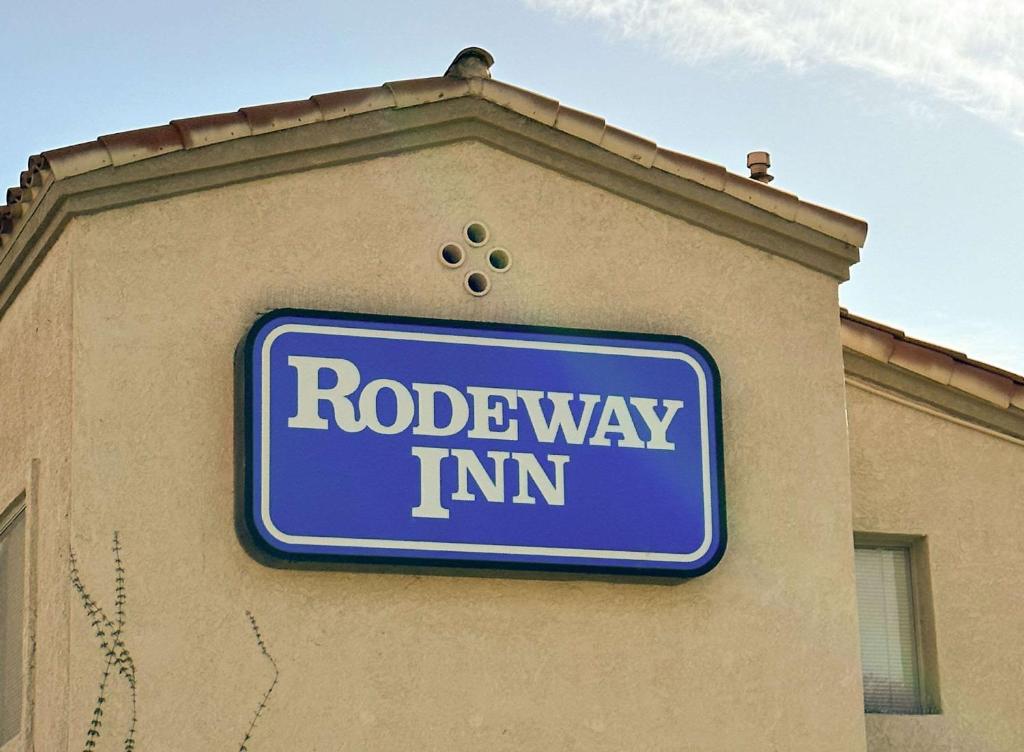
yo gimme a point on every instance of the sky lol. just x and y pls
(909, 115)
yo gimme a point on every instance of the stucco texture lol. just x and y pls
(914, 473)
(760, 654)
(35, 461)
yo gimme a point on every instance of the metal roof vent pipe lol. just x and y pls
(759, 162)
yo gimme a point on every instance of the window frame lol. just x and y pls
(922, 605)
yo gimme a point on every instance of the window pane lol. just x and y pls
(12, 579)
(885, 601)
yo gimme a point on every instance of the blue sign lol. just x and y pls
(417, 441)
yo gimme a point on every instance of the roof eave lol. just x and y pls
(116, 171)
(123, 148)
(942, 377)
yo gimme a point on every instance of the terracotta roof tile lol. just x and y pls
(875, 343)
(77, 159)
(926, 362)
(846, 316)
(627, 145)
(534, 106)
(212, 129)
(949, 367)
(12, 212)
(33, 176)
(340, 104)
(267, 118)
(984, 384)
(132, 146)
(690, 168)
(36, 163)
(762, 196)
(19, 195)
(580, 124)
(426, 90)
(831, 222)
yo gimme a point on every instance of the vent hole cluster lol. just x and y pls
(454, 254)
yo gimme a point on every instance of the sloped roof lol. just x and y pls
(938, 364)
(468, 76)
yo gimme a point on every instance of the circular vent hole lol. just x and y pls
(477, 283)
(476, 233)
(499, 260)
(452, 255)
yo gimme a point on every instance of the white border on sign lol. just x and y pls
(477, 548)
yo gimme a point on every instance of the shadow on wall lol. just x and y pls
(109, 634)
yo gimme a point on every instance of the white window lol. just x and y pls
(890, 642)
(12, 606)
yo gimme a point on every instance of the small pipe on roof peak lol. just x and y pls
(472, 62)
(759, 162)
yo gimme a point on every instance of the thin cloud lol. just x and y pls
(970, 53)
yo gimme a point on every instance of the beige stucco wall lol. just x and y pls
(761, 654)
(35, 453)
(917, 474)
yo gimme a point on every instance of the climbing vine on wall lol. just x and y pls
(110, 636)
(266, 695)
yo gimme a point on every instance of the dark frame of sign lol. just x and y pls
(246, 503)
